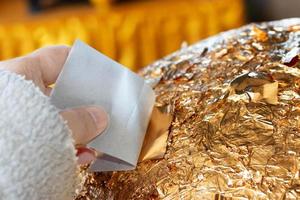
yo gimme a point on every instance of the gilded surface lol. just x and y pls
(235, 132)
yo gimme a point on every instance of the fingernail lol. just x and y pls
(86, 158)
(100, 118)
(85, 155)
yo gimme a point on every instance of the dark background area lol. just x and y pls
(39, 5)
(266, 10)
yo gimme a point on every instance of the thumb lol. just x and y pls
(85, 122)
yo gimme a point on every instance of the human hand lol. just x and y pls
(43, 67)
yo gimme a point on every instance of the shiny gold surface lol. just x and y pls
(222, 144)
(155, 141)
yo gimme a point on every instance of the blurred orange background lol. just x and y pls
(134, 33)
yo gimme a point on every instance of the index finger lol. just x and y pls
(50, 61)
(42, 66)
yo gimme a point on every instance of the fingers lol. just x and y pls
(48, 91)
(86, 123)
(50, 61)
(42, 66)
(85, 155)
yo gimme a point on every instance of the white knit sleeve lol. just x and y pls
(37, 156)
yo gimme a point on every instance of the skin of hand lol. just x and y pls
(43, 67)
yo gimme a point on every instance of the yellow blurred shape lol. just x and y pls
(135, 33)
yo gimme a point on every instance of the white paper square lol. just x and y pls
(90, 78)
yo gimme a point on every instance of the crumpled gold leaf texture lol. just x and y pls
(221, 145)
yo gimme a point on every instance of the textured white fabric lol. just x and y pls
(37, 156)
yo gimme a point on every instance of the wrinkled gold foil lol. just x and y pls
(155, 141)
(222, 144)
